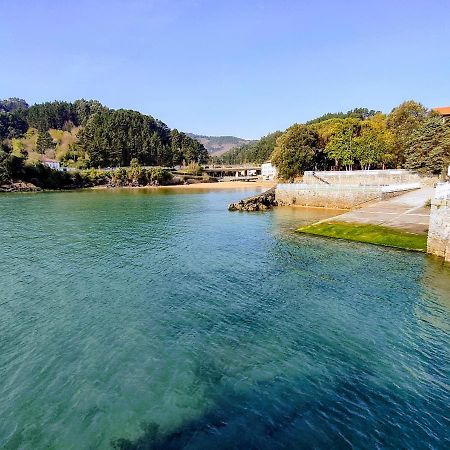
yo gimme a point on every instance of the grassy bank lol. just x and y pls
(370, 234)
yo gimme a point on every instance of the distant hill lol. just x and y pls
(253, 152)
(217, 145)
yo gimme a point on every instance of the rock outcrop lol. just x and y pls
(260, 202)
(19, 187)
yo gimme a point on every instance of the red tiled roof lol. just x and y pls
(444, 110)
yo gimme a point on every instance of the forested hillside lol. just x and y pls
(253, 152)
(86, 133)
(410, 136)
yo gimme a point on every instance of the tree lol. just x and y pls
(294, 151)
(428, 149)
(341, 145)
(5, 166)
(374, 143)
(402, 122)
(357, 113)
(48, 115)
(85, 109)
(11, 166)
(44, 142)
(135, 172)
(12, 124)
(185, 148)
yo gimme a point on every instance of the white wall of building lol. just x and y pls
(55, 165)
(268, 171)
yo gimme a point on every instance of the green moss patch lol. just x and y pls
(370, 234)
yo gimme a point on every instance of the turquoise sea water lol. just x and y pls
(157, 319)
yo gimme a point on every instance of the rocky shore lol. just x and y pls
(261, 202)
(19, 187)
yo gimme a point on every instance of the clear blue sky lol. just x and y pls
(227, 67)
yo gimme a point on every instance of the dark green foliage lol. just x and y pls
(186, 149)
(357, 113)
(84, 109)
(46, 178)
(254, 152)
(114, 138)
(12, 124)
(44, 142)
(48, 115)
(295, 151)
(402, 121)
(428, 150)
(62, 115)
(11, 166)
(5, 166)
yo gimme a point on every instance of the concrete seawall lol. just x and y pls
(362, 177)
(439, 232)
(335, 196)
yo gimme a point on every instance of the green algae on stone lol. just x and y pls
(370, 234)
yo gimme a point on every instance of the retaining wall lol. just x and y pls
(362, 177)
(439, 232)
(326, 196)
(335, 196)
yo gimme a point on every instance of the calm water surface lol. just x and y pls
(143, 319)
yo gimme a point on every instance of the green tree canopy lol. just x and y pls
(402, 122)
(342, 146)
(184, 148)
(357, 113)
(428, 149)
(295, 150)
(114, 138)
(375, 142)
(253, 152)
(44, 142)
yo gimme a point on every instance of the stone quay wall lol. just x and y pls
(362, 177)
(439, 231)
(325, 196)
(335, 196)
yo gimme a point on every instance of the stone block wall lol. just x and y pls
(439, 232)
(325, 196)
(362, 177)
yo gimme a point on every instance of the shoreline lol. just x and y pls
(27, 188)
(219, 185)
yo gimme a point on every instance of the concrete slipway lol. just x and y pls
(407, 212)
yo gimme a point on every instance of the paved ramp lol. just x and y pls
(407, 211)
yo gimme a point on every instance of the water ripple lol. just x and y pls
(159, 320)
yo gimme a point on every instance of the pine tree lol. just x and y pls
(44, 142)
(428, 150)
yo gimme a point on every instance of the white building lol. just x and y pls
(268, 172)
(52, 163)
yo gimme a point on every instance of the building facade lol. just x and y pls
(52, 163)
(268, 171)
(444, 111)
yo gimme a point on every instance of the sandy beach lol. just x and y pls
(225, 185)
(210, 186)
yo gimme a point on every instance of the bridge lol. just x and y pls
(234, 172)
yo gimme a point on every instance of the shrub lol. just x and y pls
(119, 176)
(158, 175)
